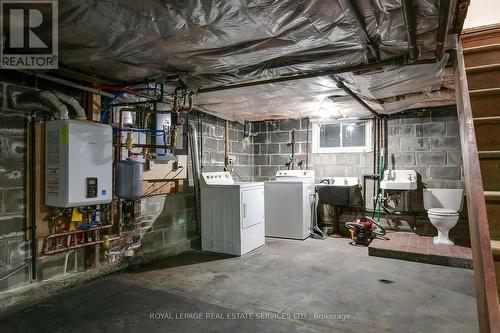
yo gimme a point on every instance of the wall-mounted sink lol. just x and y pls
(340, 181)
(403, 180)
(338, 191)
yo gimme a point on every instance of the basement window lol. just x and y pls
(341, 137)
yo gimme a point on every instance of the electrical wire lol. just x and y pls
(168, 173)
(159, 188)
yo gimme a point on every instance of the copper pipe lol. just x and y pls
(141, 145)
(78, 246)
(120, 216)
(145, 110)
(112, 213)
(81, 231)
(176, 103)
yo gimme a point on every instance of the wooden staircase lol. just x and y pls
(481, 49)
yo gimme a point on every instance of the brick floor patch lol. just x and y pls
(412, 247)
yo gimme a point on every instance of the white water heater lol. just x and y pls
(78, 163)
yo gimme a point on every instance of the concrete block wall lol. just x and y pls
(14, 248)
(169, 225)
(271, 147)
(423, 140)
(272, 151)
(428, 142)
(211, 144)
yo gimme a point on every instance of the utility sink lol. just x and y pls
(403, 180)
(338, 191)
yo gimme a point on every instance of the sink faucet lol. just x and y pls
(410, 177)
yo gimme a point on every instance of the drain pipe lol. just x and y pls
(195, 161)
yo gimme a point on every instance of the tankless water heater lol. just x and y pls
(78, 163)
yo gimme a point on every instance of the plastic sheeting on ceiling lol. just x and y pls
(209, 43)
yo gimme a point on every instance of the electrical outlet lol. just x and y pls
(231, 159)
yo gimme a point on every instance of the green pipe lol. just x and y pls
(380, 175)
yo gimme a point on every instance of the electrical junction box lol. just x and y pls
(78, 163)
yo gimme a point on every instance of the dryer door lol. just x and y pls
(252, 206)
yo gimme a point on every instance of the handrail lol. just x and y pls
(484, 270)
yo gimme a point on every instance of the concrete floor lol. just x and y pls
(291, 277)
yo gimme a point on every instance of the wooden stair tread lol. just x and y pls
(486, 91)
(486, 120)
(492, 195)
(489, 154)
(482, 68)
(495, 247)
(482, 92)
(482, 48)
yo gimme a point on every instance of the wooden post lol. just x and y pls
(94, 107)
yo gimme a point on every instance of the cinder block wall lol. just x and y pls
(271, 146)
(428, 142)
(423, 140)
(14, 248)
(211, 134)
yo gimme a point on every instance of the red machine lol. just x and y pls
(364, 230)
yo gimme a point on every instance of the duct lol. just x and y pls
(27, 101)
(62, 110)
(195, 162)
(80, 112)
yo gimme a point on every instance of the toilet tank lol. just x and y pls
(443, 198)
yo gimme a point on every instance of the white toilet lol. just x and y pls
(443, 206)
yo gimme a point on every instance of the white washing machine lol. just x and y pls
(232, 214)
(289, 204)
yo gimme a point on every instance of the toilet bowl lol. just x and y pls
(443, 207)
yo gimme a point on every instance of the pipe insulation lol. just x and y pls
(62, 110)
(73, 103)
